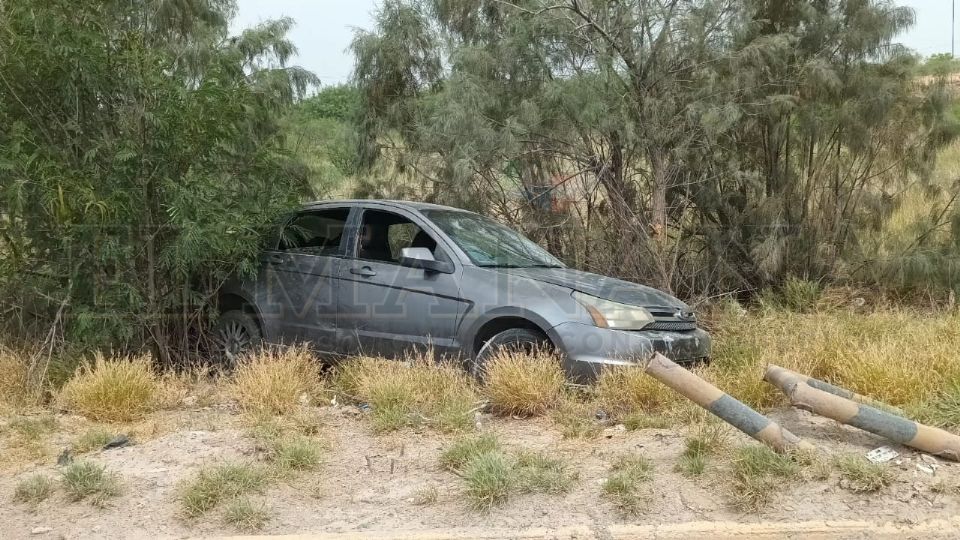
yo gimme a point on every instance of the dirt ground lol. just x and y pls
(369, 482)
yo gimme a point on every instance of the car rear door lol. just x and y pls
(305, 264)
(385, 309)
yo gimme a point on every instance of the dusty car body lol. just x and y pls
(380, 277)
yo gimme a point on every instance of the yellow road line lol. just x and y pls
(715, 530)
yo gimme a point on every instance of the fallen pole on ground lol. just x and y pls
(843, 392)
(879, 422)
(723, 405)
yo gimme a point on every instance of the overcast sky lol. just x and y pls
(325, 27)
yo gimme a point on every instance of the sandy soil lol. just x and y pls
(369, 482)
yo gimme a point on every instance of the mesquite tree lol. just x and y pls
(139, 158)
(702, 145)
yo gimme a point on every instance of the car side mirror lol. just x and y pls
(419, 257)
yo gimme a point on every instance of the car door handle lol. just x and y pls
(276, 258)
(364, 271)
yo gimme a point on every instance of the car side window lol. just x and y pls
(383, 235)
(315, 232)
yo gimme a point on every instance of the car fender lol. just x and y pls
(502, 295)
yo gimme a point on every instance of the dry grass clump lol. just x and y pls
(628, 474)
(743, 345)
(536, 472)
(214, 485)
(33, 428)
(94, 438)
(623, 391)
(33, 490)
(272, 380)
(525, 384)
(426, 495)
(196, 386)
(112, 390)
(942, 409)
(296, 454)
(795, 294)
(485, 468)
(289, 443)
(875, 354)
(492, 475)
(861, 476)
(26, 438)
(577, 420)
(84, 479)
(409, 393)
(466, 449)
(640, 420)
(880, 355)
(243, 515)
(758, 473)
(704, 441)
(303, 421)
(17, 391)
(489, 478)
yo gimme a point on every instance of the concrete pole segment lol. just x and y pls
(896, 428)
(723, 405)
(844, 393)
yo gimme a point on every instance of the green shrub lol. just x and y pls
(538, 473)
(245, 516)
(465, 449)
(489, 478)
(625, 483)
(84, 479)
(861, 476)
(758, 472)
(214, 485)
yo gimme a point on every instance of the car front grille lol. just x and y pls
(671, 326)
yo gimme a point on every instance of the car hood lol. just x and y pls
(616, 290)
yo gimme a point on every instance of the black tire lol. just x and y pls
(236, 334)
(513, 339)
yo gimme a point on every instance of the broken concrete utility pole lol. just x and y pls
(723, 406)
(896, 428)
(844, 393)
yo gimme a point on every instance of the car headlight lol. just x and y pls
(607, 314)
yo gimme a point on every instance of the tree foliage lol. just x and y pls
(321, 132)
(701, 145)
(140, 156)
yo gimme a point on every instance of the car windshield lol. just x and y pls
(489, 243)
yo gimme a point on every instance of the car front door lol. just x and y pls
(386, 309)
(305, 268)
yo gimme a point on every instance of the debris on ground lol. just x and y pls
(882, 454)
(117, 442)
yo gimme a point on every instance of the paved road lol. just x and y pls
(948, 527)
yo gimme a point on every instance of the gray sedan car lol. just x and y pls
(386, 278)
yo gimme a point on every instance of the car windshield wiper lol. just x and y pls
(544, 266)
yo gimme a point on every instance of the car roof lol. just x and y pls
(411, 205)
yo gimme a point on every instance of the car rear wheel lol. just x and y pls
(237, 333)
(512, 340)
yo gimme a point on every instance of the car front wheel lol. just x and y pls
(513, 340)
